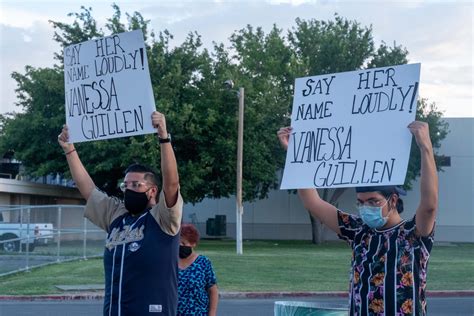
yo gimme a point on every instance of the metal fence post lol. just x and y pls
(85, 240)
(59, 233)
(28, 212)
(21, 227)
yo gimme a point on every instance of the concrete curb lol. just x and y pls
(225, 295)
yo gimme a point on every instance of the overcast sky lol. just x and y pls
(437, 34)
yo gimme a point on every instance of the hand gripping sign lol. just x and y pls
(350, 128)
(108, 91)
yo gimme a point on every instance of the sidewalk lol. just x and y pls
(99, 295)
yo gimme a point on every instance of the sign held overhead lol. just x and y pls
(350, 128)
(108, 91)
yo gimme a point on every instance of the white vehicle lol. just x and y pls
(14, 235)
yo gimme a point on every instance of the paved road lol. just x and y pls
(444, 306)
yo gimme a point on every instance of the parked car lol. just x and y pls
(15, 235)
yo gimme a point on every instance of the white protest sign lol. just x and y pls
(350, 128)
(107, 88)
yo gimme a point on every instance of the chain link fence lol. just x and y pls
(37, 235)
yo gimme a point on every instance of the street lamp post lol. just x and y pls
(240, 144)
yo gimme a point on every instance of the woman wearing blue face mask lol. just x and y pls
(390, 254)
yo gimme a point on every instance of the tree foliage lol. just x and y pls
(187, 82)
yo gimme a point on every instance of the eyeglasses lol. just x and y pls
(132, 185)
(372, 202)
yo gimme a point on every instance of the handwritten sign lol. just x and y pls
(350, 128)
(107, 88)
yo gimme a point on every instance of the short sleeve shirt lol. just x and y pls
(193, 283)
(389, 267)
(140, 255)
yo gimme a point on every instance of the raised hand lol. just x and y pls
(422, 134)
(159, 122)
(63, 139)
(284, 136)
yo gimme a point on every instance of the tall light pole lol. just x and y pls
(239, 208)
(240, 144)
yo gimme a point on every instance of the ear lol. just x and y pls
(393, 201)
(154, 193)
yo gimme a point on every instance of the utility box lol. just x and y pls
(210, 227)
(220, 225)
(216, 226)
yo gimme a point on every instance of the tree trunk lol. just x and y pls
(317, 236)
(316, 230)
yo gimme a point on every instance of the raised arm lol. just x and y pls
(79, 174)
(324, 211)
(169, 169)
(426, 211)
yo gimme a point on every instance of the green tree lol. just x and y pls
(342, 45)
(323, 47)
(187, 83)
(29, 134)
(264, 69)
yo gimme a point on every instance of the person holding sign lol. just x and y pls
(390, 254)
(141, 250)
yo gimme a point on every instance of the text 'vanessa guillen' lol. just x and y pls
(101, 115)
(329, 149)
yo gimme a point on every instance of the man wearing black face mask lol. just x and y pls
(141, 250)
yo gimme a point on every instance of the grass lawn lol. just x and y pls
(264, 266)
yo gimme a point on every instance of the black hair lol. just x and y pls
(387, 191)
(150, 175)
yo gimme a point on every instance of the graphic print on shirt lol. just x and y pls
(125, 235)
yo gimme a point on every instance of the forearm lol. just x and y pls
(213, 300)
(426, 212)
(169, 170)
(79, 174)
(309, 197)
(428, 180)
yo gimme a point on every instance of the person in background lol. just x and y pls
(389, 254)
(197, 285)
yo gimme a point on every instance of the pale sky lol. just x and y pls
(437, 34)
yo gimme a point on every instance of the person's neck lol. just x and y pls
(186, 262)
(392, 221)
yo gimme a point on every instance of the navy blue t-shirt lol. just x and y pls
(141, 268)
(140, 256)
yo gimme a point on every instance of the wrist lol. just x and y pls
(426, 148)
(67, 149)
(162, 133)
(164, 139)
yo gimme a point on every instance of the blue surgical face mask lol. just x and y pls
(372, 215)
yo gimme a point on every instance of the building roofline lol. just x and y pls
(32, 188)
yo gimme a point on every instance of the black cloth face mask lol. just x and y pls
(135, 202)
(185, 251)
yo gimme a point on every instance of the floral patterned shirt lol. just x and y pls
(388, 274)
